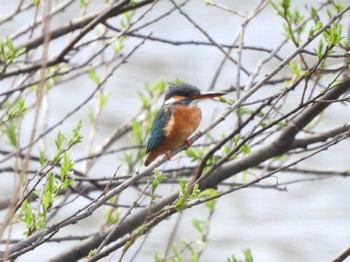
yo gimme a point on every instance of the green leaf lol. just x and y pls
(84, 3)
(314, 28)
(18, 109)
(3, 53)
(11, 132)
(286, 4)
(118, 46)
(183, 188)
(282, 123)
(329, 13)
(144, 99)
(128, 15)
(338, 5)
(66, 166)
(244, 110)
(195, 192)
(112, 215)
(91, 113)
(183, 195)
(223, 99)
(51, 183)
(158, 178)
(58, 155)
(8, 51)
(59, 140)
(245, 149)
(93, 76)
(158, 257)
(137, 132)
(179, 203)
(277, 9)
(42, 158)
(232, 259)
(314, 14)
(319, 51)
(236, 139)
(141, 229)
(103, 98)
(128, 157)
(76, 137)
(296, 69)
(67, 182)
(247, 255)
(12, 50)
(92, 253)
(28, 217)
(47, 198)
(194, 153)
(20, 51)
(177, 254)
(159, 86)
(199, 225)
(37, 192)
(211, 203)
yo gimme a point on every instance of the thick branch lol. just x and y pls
(82, 22)
(282, 144)
(87, 24)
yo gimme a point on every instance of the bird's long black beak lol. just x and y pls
(209, 95)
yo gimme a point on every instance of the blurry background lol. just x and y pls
(308, 222)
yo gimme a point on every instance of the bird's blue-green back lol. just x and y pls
(157, 133)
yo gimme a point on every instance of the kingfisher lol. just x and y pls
(176, 120)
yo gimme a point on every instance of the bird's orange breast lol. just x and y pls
(183, 123)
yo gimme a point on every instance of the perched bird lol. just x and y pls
(176, 120)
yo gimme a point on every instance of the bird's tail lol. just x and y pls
(150, 157)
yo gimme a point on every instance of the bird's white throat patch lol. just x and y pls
(171, 100)
(177, 98)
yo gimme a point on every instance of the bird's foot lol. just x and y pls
(188, 143)
(168, 155)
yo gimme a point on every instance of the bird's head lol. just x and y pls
(186, 93)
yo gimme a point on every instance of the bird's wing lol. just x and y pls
(157, 133)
